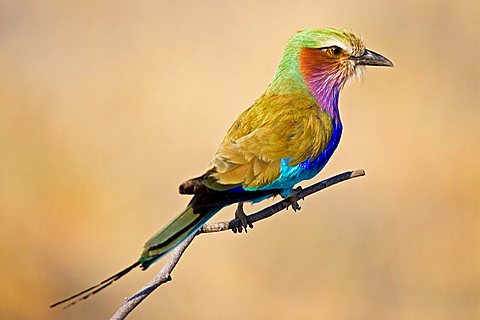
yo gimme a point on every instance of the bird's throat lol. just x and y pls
(318, 72)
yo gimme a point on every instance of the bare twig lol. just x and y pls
(165, 273)
(281, 205)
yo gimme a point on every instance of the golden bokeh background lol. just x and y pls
(107, 106)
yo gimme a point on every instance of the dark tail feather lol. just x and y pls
(94, 289)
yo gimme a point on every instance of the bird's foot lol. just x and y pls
(293, 198)
(240, 214)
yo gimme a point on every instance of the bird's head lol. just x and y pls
(333, 56)
(325, 59)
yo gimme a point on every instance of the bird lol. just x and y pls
(287, 136)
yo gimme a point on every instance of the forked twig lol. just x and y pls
(165, 273)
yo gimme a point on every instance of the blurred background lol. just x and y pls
(107, 107)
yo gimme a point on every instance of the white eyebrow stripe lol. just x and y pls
(335, 42)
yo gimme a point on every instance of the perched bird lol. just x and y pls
(285, 137)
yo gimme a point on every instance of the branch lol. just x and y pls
(165, 273)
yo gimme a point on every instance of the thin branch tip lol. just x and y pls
(358, 173)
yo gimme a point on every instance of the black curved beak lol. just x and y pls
(370, 58)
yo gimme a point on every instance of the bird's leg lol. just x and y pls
(240, 214)
(293, 198)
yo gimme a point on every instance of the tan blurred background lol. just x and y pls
(106, 107)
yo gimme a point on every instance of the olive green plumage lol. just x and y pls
(276, 127)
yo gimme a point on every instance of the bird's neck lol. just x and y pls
(297, 73)
(327, 99)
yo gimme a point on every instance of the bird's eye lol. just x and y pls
(335, 51)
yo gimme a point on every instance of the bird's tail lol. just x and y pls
(198, 211)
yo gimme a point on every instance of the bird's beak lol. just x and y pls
(370, 58)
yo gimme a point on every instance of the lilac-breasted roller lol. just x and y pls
(285, 137)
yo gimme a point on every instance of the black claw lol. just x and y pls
(293, 199)
(243, 224)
